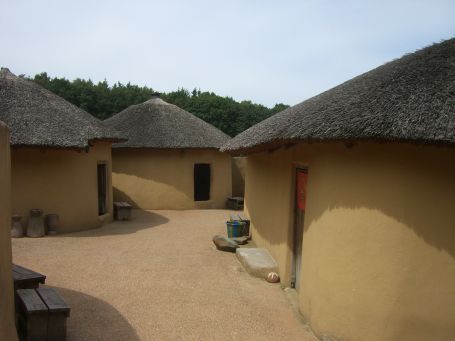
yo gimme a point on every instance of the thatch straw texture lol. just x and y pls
(37, 117)
(411, 99)
(160, 125)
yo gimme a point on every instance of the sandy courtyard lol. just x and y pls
(159, 277)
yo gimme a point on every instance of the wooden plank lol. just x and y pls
(23, 278)
(17, 276)
(31, 301)
(53, 300)
(21, 274)
(56, 327)
(27, 273)
(22, 270)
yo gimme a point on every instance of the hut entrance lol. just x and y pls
(301, 178)
(102, 188)
(201, 182)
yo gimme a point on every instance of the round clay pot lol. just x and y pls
(273, 277)
(17, 231)
(52, 223)
(35, 227)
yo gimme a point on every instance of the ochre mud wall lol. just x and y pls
(62, 182)
(7, 327)
(238, 176)
(378, 259)
(163, 179)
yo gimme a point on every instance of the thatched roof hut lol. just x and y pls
(61, 160)
(37, 117)
(161, 125)
(352, 193)
(410, 99)
(171, 159)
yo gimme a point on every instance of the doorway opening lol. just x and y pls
(301, 179)
(202, 176)
(102, 188)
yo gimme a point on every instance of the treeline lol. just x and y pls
(103, 100)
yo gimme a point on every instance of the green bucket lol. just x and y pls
(236, 228)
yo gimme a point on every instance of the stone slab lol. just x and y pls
(257, 262)
(240, 240)
(224, 244)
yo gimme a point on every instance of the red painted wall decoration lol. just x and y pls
(301, 182)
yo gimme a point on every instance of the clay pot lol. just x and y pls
(17, 231)
(35, 227)
(273, 277)
(52, 223)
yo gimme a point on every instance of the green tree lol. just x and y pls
(102, 101)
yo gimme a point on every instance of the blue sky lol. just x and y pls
(264, 51)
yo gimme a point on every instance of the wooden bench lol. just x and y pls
(122, 210)
(42, 315)
(235, 203)
(24, 278)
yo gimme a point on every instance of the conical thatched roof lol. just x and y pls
(37, 117)
(158, 124)
(411, 99)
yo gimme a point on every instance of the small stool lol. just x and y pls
(122, 210)
(235, 203)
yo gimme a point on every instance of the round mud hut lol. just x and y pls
(352, 191)
(60, 156)
(171, 159)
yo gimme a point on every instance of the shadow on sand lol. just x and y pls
(140, 220)
(94, 319)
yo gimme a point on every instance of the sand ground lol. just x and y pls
(159, 277)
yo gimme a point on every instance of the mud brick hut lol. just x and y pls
(7, 326)
(60, 156)
(352, 191)
(171, 159)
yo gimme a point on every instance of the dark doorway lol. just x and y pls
(201, 182)
(102, 188)
(301, 178)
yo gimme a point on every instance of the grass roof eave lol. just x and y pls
(410, 100)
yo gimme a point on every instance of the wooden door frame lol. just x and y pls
(108, 184)
(291, 239)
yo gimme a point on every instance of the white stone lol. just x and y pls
(257, 262)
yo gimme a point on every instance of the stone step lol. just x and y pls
(257, 262)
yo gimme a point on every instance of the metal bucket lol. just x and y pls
(236, 228)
